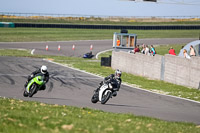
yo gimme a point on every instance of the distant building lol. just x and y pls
(124, 41)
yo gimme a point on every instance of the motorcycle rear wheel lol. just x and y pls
(106, 97)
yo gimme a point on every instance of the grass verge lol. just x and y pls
(164, 49)
(30, 117)
(62, 34)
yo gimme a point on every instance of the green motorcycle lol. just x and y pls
(34, 85)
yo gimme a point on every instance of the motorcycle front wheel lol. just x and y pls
(25, 94)
(105, 97)
(94, 98)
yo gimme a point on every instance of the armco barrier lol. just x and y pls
(169, 68)
(167, 27)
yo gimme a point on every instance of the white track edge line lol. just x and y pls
(102, 52)
(32, 51)
(124, 83)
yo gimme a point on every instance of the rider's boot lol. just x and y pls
(43, 87)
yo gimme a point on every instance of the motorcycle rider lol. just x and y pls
(43, 71)
(115, 80)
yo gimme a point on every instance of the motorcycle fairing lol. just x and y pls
(38, 80)
(102, 89)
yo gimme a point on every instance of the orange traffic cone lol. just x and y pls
(58, 47)
(73, 47)
(47, 47)
(91, 47)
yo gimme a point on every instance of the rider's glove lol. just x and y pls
(32, 75)
(108, 81)
(101, 83)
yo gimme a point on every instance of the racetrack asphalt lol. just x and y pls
(70, 87)
(75, 88)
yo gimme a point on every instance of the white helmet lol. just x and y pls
(44, 69)
(118, 73)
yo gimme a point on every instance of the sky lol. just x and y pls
(102, 7)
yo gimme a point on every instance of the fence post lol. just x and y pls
(162, 70)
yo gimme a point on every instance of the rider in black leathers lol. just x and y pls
(114, 79)
(42, 70)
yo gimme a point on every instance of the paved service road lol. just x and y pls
(75, 88)
(82, 47)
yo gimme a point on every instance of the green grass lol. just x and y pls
(164, 49)
(61, 34)
(138, 81)
(14, 52)
(17, 116)
(105, 54)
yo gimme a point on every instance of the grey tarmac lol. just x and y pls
(74, 88)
